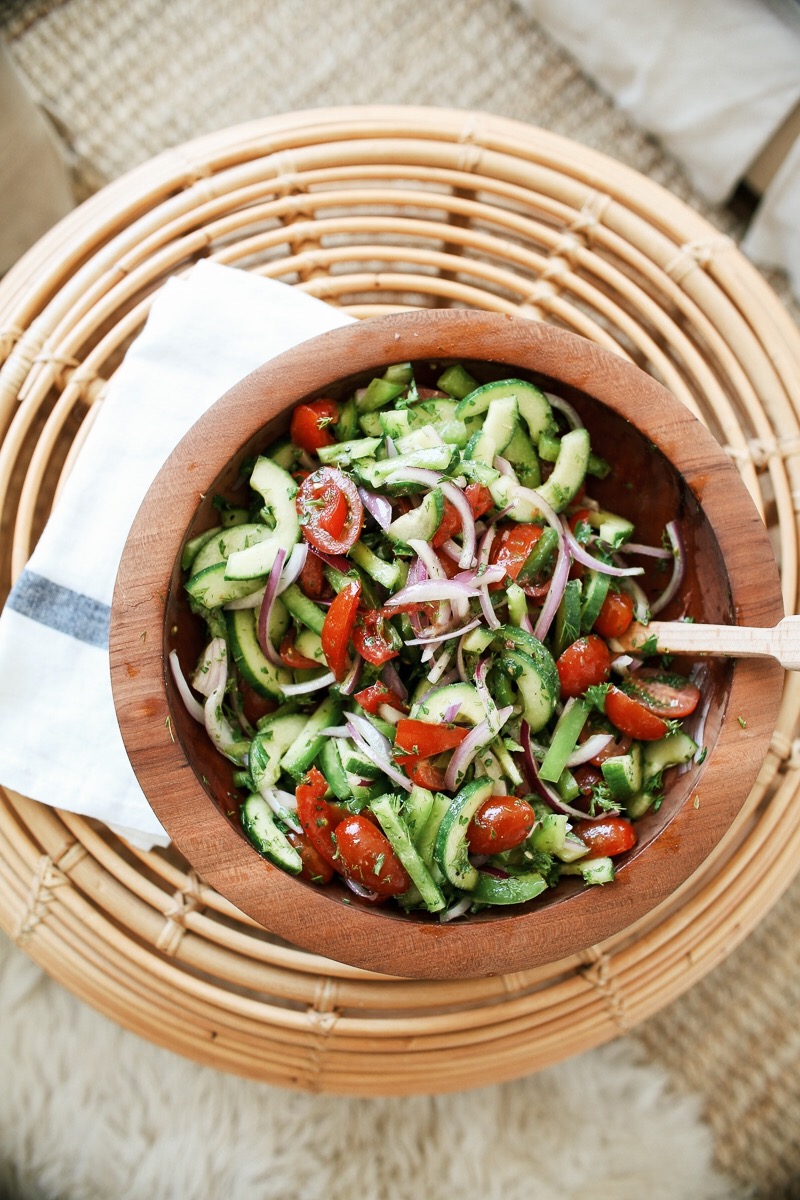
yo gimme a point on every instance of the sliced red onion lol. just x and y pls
(538, 785)
(306, 461)
(485, 547)
(431, 479)
(253, 600)
(582, 555)
(461, 505)
(489, 706)
(431, 590)
(193, 705)
(472, 743)
(287, 799)
(267, 605)
(563, 406)
(434, 570)
(443, 637)
(279, 809)
(353, 677)
(623, 663)
(393, 681)
(335, 731)
(450, 676)
(593, 745)
(309, 685)
(489, 615)
(651, 551)
(678, 568)
(451, 549)
(370, 750)
(360, 889)
(217, 725)
(377, 506)
(294, 565)
(641, 605)
(456, 910)
(558, 581)
(212, 667)
(337, 561)
(451, 712)
(441, 664)
(389, 714)
(391, 449)
(504, 466)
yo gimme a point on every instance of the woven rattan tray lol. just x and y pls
(376, 210)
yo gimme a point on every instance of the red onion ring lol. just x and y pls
(538, 785)
(678, 568)
(377, 506)
(193, 705)
(353, 677)
(359, 889)
(593, 745)
(582, 555)
(393, 681)
(337, 561)
(651, 551)
(267, 605)
(442, 637)
(378, 757)
(472, 743)
(309, 685)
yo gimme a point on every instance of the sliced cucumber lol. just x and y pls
(456, 381)
(417, 807)
(593, 870)
(278, 491)
(514, 889)
(612, 530)
(269, 745)
(419, 523)
(501, 422)
(534, 407)
(355, 762)
(229, 541)
(423, 438)
(284, 453)
(434, 706)
(308, 743)
(426, 843)
(549, 835)
(259, 824)
(376, 474)
(344, 453)
(370, 425)
(537, 681)
(562, 743)
(569, 471)
(378, 394)
(331, 766)
(595, 590)
(451, 849)
(211, 589)
(670, 751)
(567, 625)
(346, 427)
(623, 773)
(523, 458)
(386, 810)
(384, 573)
(302, 609)
(309, 645)
(263, 676)
(195, 544)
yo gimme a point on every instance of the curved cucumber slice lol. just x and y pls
(392, 824)
(434, 706)
(516, 889)
(270, 744)
(537, 680)
(278, 491)
(534, 407)
(451, 850)
(569, 471)
(229, 541)
(262, 675)
(210, 588)
(258, 823)
(421, 522)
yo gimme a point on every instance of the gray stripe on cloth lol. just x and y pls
(60, 608)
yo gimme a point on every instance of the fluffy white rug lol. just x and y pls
(91, 1112)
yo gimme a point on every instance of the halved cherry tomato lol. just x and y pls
(423, 739)
(330, 510)
(292, 657)
(315, 868)
(583, 664)
(371, 698)
(339, 621)
(587, 777)
(312, 578)
(423, 771)
(631, 717)
(615, 615)
(618, 745)
(606, 837)
(501, 823)
(665, 695)
(511, 549)
(370, 640)
(480, 501)
(310, 424)
(317, 816)
(449, 565)
(366, 855)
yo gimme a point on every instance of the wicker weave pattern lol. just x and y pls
(379, 210)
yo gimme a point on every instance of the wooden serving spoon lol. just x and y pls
(781, 642)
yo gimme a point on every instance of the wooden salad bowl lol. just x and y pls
(673, 469)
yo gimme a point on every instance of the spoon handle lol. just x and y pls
(781, 642)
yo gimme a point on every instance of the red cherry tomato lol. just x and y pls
(254, 706)
(315, 868)
(312, 578)
(330, 510)
(665, 695)
(587, 777)
(501, 823)
(615, 615)
(424, 740)
(317, 816)
(310, 427)
(606, 837)
(632, 718)
(584, 664)
(371, 698)
(480, 501)
(423, 771)
(366, 856)
(292, 657)
(511, 549)
(370, 640)
(339, 621)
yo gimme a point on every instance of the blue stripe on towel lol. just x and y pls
(60, 608)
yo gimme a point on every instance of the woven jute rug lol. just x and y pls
(123, 81)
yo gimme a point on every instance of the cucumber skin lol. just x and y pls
(450, 849)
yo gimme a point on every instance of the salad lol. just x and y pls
(413, 604)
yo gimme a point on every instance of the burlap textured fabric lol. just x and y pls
(127, 80)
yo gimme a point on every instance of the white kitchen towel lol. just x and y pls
(59, 739)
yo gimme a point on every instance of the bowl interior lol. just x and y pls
(201, 815)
